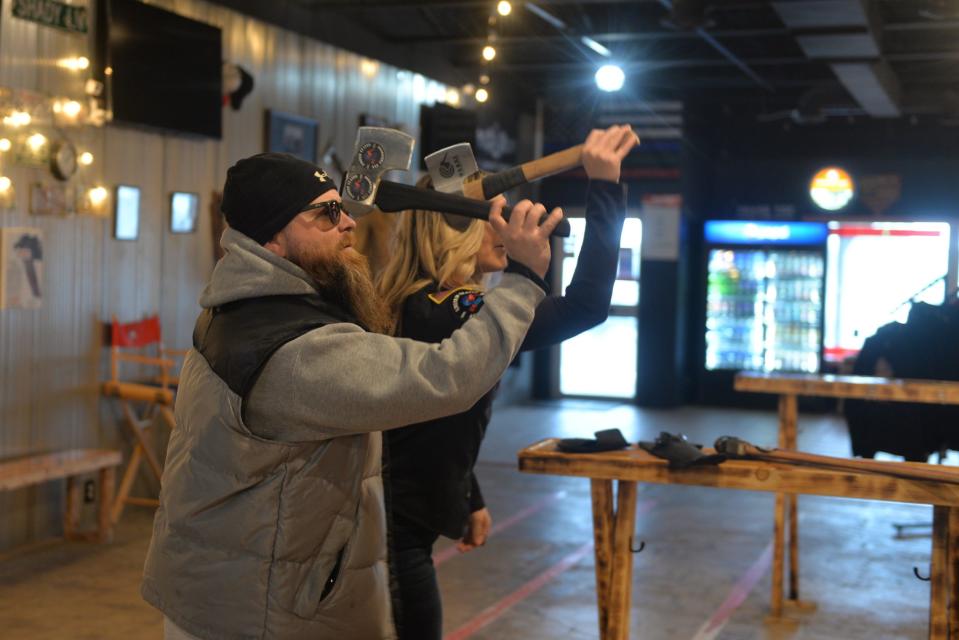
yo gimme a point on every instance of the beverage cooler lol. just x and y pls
(875, 269)
(764, 301)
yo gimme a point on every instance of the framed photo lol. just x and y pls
(184, 208)
(126, 213)
(287, 133)
(21, 268)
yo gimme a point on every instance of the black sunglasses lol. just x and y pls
(333, 209)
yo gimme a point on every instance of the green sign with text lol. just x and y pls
(52, 14)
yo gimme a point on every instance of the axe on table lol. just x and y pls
(451, 167)
(379, 150)
(734, 448)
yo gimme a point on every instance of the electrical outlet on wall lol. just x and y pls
(89, 491)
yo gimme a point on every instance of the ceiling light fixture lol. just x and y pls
(504, 8)
(482, 95)
(489, 53)
(610, 77)
(595, 46)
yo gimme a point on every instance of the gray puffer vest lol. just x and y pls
(229, 558)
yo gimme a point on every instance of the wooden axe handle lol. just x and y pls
(898, 469)
(502, 181)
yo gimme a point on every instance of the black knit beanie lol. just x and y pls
(264, 192)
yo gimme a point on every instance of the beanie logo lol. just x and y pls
(321, 176)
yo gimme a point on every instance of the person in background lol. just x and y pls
(432, 284)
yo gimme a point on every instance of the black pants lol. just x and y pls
(417, 609)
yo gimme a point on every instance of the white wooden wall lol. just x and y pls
(52, 359)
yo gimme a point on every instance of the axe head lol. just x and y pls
(377, 150)
(450, 167)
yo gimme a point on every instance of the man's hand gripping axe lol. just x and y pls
(379, 150)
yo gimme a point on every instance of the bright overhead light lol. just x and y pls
(5, 184)
(610, 77)
(452, 97)
(484, 79)
(504, 7)
(86, 158)
(482, 95)
(595, 46)
(489, 53)
(5, 144)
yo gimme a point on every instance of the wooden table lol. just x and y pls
(613, 528)
(789, 387)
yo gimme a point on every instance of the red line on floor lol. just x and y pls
(737, 595)
(451, 551)
(497, 609)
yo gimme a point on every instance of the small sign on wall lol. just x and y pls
(21, 268)
(51, 13)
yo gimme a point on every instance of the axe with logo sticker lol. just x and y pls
(451, 167)
(379, 150)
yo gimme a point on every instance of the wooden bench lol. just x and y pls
(24, 472)
(613, 528)
(789, 387)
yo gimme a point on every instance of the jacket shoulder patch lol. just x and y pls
(463, 301)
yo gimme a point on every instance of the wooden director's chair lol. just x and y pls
(153, 394)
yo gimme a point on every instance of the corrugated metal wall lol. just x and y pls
(52, 359)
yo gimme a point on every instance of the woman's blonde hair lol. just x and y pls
(424, 249)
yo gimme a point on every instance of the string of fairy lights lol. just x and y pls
(481, 90)
(36, 131)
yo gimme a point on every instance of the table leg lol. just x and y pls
(602, 495)
(104, 508)
(621, 576)
(71, 512)
(953, 572)
(779, 532)
(939, 575)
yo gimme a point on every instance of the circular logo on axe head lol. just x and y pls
(446, 169)
(358, 187)
(372, 155)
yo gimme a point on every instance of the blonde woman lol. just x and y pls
(432, 284)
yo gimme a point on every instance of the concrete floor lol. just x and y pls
(703, 575)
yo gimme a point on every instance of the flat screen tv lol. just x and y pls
(164, 69)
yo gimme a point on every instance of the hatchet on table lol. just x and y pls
(378, 150)
(451, 167)
(734, 448)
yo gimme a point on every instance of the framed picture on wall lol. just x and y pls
(126, 213)
(288, 133)
(184, 208)
(21, 268)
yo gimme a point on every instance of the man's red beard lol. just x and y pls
(345, 279)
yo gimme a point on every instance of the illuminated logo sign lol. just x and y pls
(766, 233)
(831, 189)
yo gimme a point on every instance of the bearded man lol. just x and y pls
(271, 520)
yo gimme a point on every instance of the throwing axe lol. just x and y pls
(451, 167)
(378, 150)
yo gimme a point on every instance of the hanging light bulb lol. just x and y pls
(482, 95)
(5, 144)
(452, 97)
(86, 159)
(97, 196)
(504, 8)
(17, 119)
(489, 53)
(5, 184)
(36, 141)
(72, 108)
